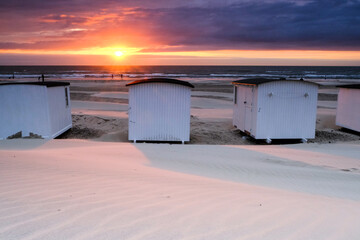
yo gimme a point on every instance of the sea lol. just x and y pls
(349, 74)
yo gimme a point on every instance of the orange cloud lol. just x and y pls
(187, 32)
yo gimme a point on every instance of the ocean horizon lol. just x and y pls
(181, 72)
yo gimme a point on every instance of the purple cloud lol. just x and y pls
(199, 25)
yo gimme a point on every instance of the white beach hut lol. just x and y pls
(159, 110)
(275, 108)
(40, 109)
(348, 107)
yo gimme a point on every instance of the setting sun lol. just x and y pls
(119, 53)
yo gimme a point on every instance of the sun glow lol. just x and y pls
(118, 53)
(115, 55)
(107, 51)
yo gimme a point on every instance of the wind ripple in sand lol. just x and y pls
(252, 164)
(90, 190)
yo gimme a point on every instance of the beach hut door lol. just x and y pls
(248, 108)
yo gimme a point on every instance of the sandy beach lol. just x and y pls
(100, 106)
(93, 183)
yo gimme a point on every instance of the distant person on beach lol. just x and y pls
(43, 77)
(121, 76)
(112, 76)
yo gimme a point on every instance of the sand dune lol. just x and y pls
(272, 166)
(73, 189)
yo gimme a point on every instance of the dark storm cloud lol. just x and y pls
(203, 25)
(316, 25)
(81, 5)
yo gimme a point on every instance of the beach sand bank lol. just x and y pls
(80, 189)
(98, 108)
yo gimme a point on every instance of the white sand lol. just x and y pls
(326, 118)
(100, 113)
(101, 106)
(227, 96)
(73, 189)
(327, 104)
(209, 103)
(101, 109)
(121, 95)
(212, 114)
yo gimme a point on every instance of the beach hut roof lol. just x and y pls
(161, 80)
(47, 84)
(354, 86)
(257, 81)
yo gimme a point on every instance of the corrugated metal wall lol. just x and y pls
(243, 110)
(238, 108)
(159, 112)
(286, 109)
(24, 108)
(348, 109)
(60, 112)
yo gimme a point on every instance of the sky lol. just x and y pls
(180, 32)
